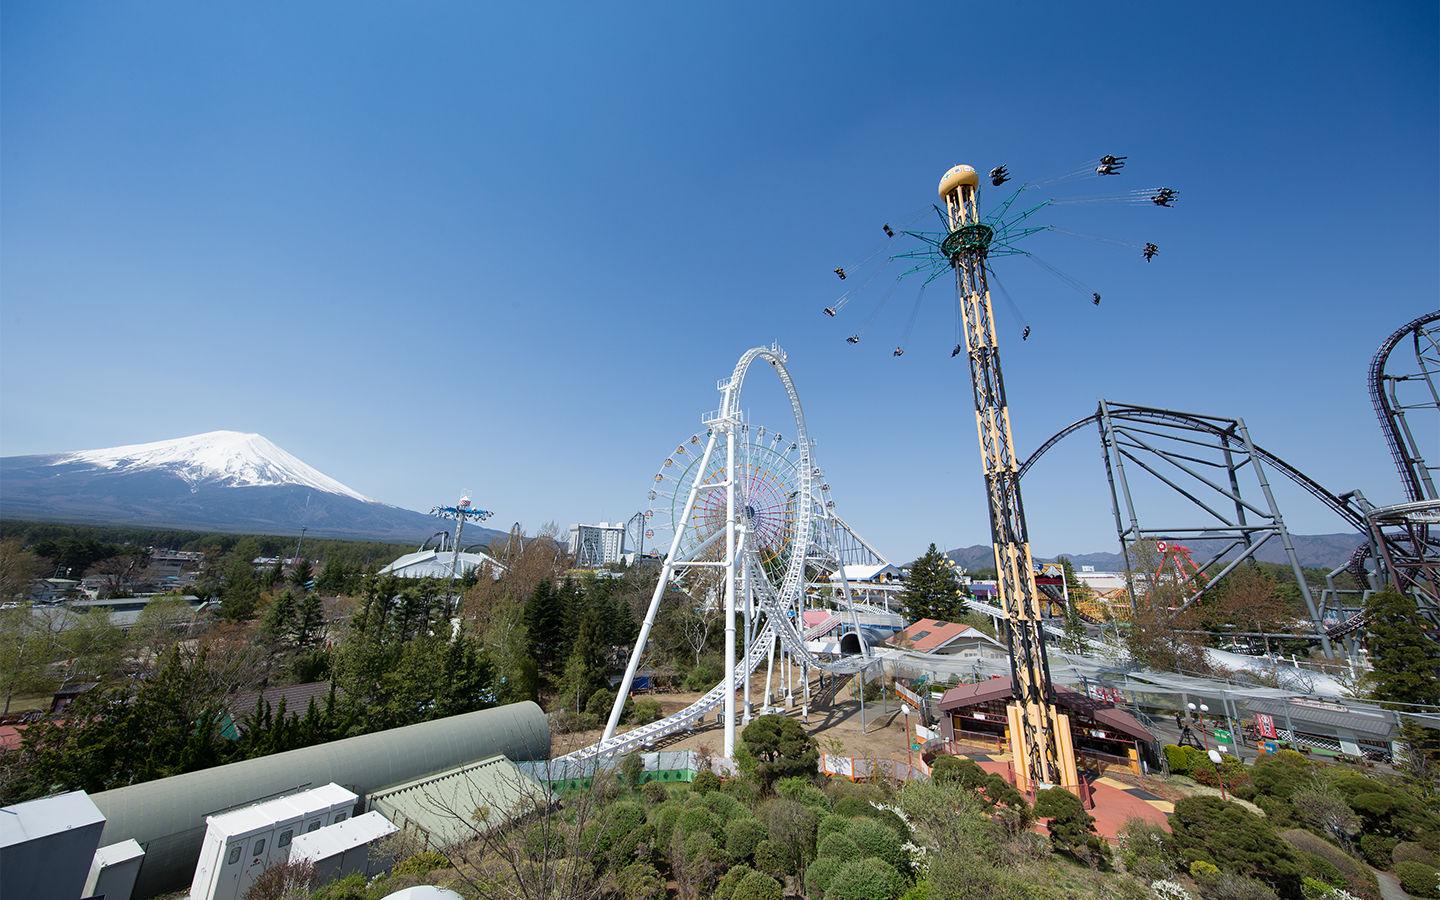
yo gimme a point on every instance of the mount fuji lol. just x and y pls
(222, 481)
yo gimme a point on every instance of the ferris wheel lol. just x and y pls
(770, 496)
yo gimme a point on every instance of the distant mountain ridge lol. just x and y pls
(224, 481)
(1321, 551)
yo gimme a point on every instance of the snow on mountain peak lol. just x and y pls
(231, 458)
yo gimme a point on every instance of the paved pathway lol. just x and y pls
(1390, 888)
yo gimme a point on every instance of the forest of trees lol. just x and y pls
(389, 648)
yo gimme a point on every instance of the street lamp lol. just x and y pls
(909, 758)
(1219, 775)
(1203, 710)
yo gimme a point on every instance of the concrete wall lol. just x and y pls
(167, 816)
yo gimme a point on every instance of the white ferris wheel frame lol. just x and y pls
(739, 565)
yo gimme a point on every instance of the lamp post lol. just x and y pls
(909, 757)
(1219, 775)
(1203, 710)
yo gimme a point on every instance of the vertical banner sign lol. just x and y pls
(1265, 726)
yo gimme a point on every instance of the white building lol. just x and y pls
(593, 546)
(437, 564)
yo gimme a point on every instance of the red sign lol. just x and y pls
(1265, 726)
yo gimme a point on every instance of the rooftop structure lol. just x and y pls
(463, 802)
(46, 846)
(949, 639)
(439, 564)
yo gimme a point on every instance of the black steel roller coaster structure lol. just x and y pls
(1208, 459)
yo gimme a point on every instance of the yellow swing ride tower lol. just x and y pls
(1039, 734)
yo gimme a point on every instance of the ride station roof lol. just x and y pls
(1002, 689)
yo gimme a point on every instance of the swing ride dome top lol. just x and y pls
(957, 176)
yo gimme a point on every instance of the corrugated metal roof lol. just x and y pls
(967, 695)
(460, 803)
(1361, 721)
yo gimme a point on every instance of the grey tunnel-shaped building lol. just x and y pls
(167, 816)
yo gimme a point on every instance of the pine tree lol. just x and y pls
(1078, 592)
(309, 621)
(1403, 656)
(931, 589)
(302, 574)
(279, 620)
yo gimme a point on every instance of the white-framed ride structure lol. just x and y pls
(751, 526)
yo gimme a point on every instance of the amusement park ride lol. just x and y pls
(750, 521)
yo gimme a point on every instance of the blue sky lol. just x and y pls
(512, 247)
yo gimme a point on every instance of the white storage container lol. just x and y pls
(240, 844)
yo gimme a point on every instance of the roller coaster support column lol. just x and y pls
(1039, 735)
(730, 549)
(666, 573)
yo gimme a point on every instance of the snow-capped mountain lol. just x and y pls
(223, 481)
(226, 458)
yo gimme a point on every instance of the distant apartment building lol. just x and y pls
(593, 546)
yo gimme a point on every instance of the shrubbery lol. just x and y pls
(1418, 879)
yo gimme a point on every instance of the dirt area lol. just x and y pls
(830, 719)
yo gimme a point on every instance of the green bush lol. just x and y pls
(1228, 835)
(1378, 850)
(664, 817)
(351, 887)
(877, 840)
(641, 881)
(705, 782)
(837, 846)
(705, 675)
(645, 710)
(421, 863)
(731, 880)
(1411, 852)
(1279, 774)
(758, 886)
(697, 819)
(801, 790)
(920, 890)
(1416, 878)
(1176, 759)
(818, 876)
(771, 860)
(1072, 829)
(743, 835)
(853, 807)
(865, 879)
(654, 793)
(721, 804)
(626, 849)
(1321, 869)
(742, 789)
(792, 831)
(831, 824)
(958, 771)
(1359, 880)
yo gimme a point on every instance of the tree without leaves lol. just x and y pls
(1248, 598)
(1161, 626)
